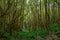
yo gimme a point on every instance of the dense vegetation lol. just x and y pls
(29, 19)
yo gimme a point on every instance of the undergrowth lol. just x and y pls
(33, 34)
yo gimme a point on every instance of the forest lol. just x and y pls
(29, 19)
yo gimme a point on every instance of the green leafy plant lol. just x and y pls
(9, 37)
(33, 34)
(41, 32)
(37, 32)
(55, 28)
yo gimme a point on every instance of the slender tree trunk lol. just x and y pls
(47, 18)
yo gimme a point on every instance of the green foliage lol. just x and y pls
(41, 32)
(33, 34)
(55, 28)
(9, 37)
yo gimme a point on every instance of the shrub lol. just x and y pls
(55, 28)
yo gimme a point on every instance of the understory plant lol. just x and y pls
(55, 28)
(33, 34)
